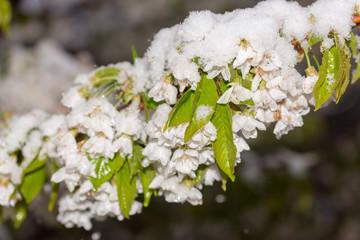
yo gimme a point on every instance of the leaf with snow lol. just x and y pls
(329, 76)
(182, 111)
(104, 170)
(357, 73)
(224, 148)
(20, 213)
(353, 44)
(345, 73)
(314, 39)
(203, 106)
(126, 188)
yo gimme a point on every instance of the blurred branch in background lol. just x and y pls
(5, 15)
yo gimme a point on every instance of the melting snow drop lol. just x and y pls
(203, 111)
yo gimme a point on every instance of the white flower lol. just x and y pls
(213, 71)
(9, 170)
(203, 136)
(247, 125)
(163, 90)
(184, 161)
(262, 99)
(130, 121)
(5, 193)
(175, 191)
(99, 146)
(247, 57)
(236, 94)
(156, 153)
(123, 145)
(277, 94)
(72, 97)
(212, 174)
(309, 83)
(93, 117)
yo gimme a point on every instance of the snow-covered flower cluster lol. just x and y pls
(21, 143)
(178, 118)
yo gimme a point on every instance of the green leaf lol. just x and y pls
(135, 164)
(357, 73)
(32, 184)
(5, 15)
(53, 196)
(200, 174)
(20, 213)
(353, 44)
(146, 176)
(248, 102)
(107, 72)
(126, 188)
(105, 76)
(329, 76)
(55, 187)
(182, 111)
(345, 70)
(104, 170)
(224, 180)
(35, 164)
(134, 53)
(314, 39)
(224, 148)
(203, 106)
(150, 103)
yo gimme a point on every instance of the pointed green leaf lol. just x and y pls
(104, 170)
(135, 161)
(32, 184)
(20, 213)
(314, 39)
(126, 188)
(224, 148)
(345, 70)
(5, 15)
(146, 176)
(203, 106)
(329, 76)
(53, 196)
(182, 111)
(357, 73)
(353, 44)
(134, 53)
(224, 180)
(55, 188)
(200, 174)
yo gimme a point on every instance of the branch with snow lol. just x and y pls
(178, 118)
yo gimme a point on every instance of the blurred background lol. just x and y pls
(305, 186)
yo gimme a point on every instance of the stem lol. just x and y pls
(317, 62)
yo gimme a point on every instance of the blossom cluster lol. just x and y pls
(178, 118)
